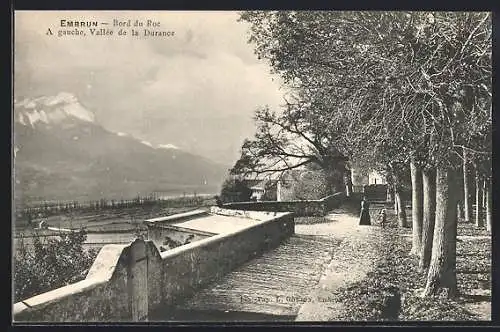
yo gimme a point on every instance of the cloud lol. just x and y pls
(185, 89)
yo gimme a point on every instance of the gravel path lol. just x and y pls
(350, 262)
(356, 255)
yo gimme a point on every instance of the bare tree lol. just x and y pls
(291, 140)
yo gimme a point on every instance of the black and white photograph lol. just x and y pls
(182, 166)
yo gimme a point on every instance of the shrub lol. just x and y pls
(310, 185)
(270, 193)
(235, 190)
(50, 264)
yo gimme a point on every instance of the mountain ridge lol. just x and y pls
(62, 152)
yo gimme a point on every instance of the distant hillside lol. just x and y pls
(62, 153)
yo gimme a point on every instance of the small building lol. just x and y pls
(375, 177)
(264, 188)
(258, 191)
(361, 178)
(278, 186)
(372, 184)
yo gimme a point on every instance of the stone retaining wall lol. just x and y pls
(127, 282)
(303, 208)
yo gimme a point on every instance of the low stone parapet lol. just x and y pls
(127, 282)
(301, 208)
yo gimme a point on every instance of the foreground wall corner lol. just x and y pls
(107, 261)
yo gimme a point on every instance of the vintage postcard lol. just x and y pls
(262, 166)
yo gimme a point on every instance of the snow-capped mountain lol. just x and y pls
(51, 109)
(167, 146)
(62, 152)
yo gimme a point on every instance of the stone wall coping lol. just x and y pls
(340, 193)
(177, 217)
(276, 202)
(100, 273)
(108, 259)
(249, 214)
(288, 201)
(219, 237)
(183, 229)
(44, 299)
(18, 308)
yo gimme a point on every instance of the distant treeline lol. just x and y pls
(45, 209)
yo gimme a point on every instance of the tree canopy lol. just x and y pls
(383, 91)
(372, 87)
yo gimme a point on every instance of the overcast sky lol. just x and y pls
(196, 90)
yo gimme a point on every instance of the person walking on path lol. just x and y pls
(365, 212)
(383, 217)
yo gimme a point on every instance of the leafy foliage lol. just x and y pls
(362, 82)
(51, 264)
(309, 185)
(381, 89)
(270, 192)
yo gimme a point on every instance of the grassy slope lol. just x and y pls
(397, 271)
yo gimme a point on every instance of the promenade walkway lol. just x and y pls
(290, 282)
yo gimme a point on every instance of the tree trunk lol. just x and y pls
(402, 222)
(395, 201)
(460, 210)
(416, 207)
(348, 186)
(335, 179)
(483, 195)
(442, 270)
(429, 189)
(467, 180)
(488, 206)
(479, 201)
(279, 188)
